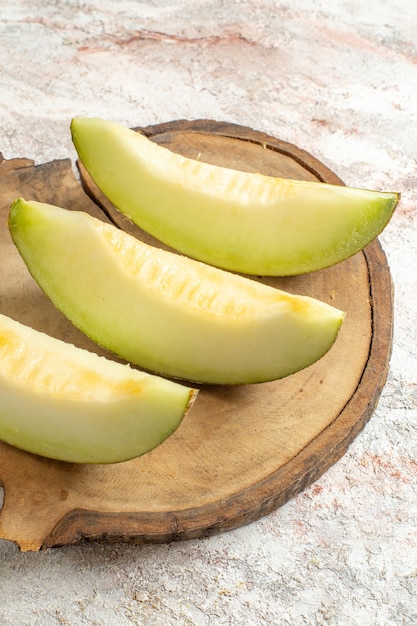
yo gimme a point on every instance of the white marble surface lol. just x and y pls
(338, 78)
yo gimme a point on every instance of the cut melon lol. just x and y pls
(244, 222)
(63, 402)
(165, 312)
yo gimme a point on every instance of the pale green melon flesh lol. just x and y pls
(242, 222)
(62, 402)
(165, 312)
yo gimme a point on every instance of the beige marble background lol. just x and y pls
(338, 78)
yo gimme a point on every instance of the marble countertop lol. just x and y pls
(337, 78)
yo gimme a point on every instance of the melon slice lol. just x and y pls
(66, 403)
(165, 312)
(238, 221)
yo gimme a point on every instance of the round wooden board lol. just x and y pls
(242, 451)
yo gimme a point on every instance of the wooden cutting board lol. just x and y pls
(242, 451)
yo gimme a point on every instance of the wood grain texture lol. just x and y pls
(243, 451)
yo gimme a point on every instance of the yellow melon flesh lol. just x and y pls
(165, 312)
(244, 222)
(62, 402)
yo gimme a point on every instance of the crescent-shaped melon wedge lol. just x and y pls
(66, 403)
(165, 312)
(243, 222)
